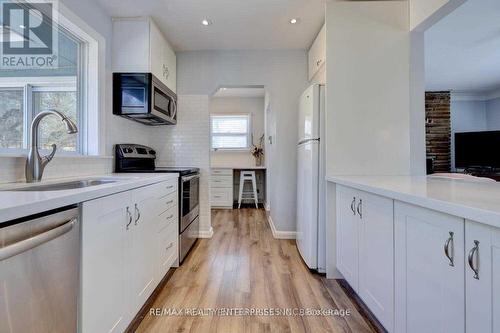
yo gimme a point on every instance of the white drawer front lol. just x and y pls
(222, 197)
(167, 202)
(164, 188)
(169, 220)
(168, 250)
(221, 182)
(222, 172)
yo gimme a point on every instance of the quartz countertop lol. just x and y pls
(238, 167)
(18, 204)
(473, 199)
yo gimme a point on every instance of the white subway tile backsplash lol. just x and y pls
(188, 144)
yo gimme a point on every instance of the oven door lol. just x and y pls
(190, 200)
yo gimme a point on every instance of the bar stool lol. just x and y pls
(248, 176)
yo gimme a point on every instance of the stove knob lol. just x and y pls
(127, 150)
(152, 152)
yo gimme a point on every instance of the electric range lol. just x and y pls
(134, 158)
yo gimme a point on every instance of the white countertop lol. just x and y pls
(477, 201)
(16, 204)
(239, 167)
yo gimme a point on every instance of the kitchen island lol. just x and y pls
(423, 253)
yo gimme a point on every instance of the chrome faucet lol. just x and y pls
(36, 163)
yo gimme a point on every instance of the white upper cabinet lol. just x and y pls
(429, 271)
(139, 46)
(317, 54)
(482, 278)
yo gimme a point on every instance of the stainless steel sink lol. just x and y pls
(65, 186)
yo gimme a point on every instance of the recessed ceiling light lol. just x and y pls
(294, 20)
(223, 88)
(206, 22)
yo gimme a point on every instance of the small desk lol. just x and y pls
(224, 185)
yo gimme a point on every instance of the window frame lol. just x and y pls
(249, 133)
(89, 83)
(29, 85)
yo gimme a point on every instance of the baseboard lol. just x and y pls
(280, 234)
(206, 233)
(267, 207)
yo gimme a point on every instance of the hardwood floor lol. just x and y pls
(243, 266)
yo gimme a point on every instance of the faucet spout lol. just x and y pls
(35, 164)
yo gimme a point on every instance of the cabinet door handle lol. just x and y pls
(169, 246)
(474, 252)
(170, 186)
(360, 209)
(138, 214)
(166, 72)
(352, 206)
(129, 218)
(170, 202)
(447, 249)
(319, 62)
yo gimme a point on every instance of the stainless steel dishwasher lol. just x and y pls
(39, 273)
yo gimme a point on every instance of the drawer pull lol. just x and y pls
(447, 249)
(169, 246)
(472, 253)
(170, 202)
(171, 216)
(170, 187)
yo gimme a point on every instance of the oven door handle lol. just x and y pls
(188, 178)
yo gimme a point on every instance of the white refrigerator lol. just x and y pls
(311, 183)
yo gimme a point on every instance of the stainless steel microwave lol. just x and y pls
(144, 98)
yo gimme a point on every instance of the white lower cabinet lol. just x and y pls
(347, 235)
(376, 256)
(365, 252)
(104, 262)
(482, 278)
(429, 271)
(416, 269)
(122, 257)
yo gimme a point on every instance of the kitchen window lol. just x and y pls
(231, 132)
(26, 92)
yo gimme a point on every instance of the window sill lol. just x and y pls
(65, 156)
(244, 150)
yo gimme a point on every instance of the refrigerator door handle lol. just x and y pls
(301, 142)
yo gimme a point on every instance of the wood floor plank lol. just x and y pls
(243, 266)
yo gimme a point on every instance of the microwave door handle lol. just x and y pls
(175, 109)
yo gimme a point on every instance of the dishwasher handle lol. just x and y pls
(32, 242)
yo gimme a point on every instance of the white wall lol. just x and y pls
(116, 129)
(424, 13)
(368, 92)
(284, 75)
(187, 144)
(493, 114)
(254, 107)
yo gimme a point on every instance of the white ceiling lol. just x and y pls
(463, 49)
(246, 92)
(237, 24)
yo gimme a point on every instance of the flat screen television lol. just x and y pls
(477, 149)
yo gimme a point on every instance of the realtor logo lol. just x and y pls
(29, 34)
